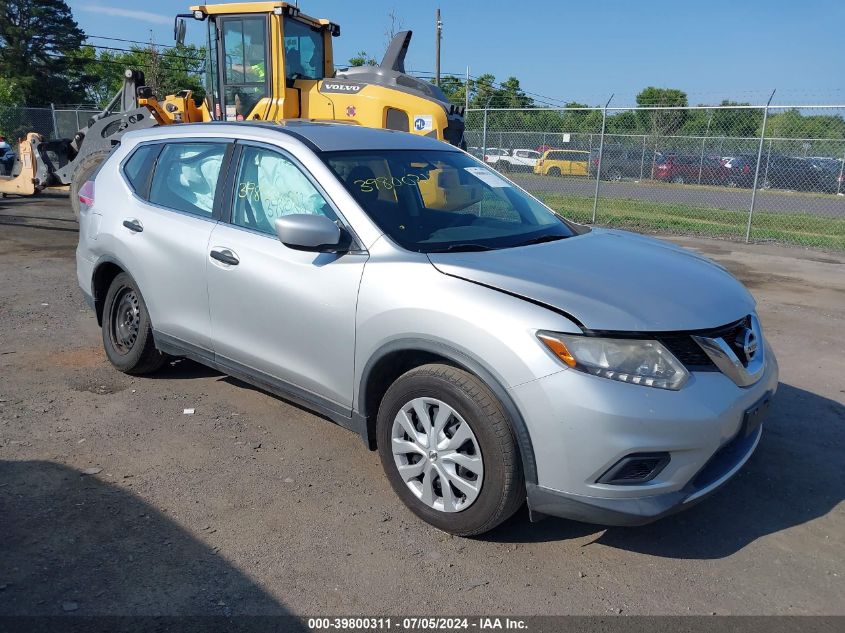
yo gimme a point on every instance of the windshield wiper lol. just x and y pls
(462, 248)
(541, 239)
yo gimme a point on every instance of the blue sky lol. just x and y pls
(582, 50)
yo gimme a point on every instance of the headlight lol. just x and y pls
(626, 360)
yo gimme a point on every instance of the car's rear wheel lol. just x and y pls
(553, 171)
(678, 180)
(448, 450)
(614, 173)
(127, 332)
(504, 166)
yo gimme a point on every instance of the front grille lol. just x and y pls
(690, 353)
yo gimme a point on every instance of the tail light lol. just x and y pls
(595, 162)
(746, 169)
(86, 195)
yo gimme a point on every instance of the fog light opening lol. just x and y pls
(635, 469)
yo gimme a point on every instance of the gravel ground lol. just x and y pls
(114, 501)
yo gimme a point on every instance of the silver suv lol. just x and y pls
(491, 351)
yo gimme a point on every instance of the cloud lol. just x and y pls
(143, 16)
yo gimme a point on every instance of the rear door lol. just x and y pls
(286, 316)
(165, 228)
(578, 165)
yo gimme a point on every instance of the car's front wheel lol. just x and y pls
(448, 450)
(127, 332)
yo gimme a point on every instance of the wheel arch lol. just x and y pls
(106, 269)
(397, 357)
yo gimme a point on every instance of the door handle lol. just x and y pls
(226, 256)
(133, 225)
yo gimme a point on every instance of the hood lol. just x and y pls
(611, 280)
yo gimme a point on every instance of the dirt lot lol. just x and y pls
(252, 505)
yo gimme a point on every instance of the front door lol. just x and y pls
(285, 313)
(244, 66)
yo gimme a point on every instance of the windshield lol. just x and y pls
(437, 201)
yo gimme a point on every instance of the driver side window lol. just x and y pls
(269, 186)
(245, 66)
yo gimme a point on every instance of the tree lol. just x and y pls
(11, 96)
(792, 124)
(394, 26)
(177, 68)
(37, 39)
(362, 59)
(740, 122)
(580, 120)
(454, 88)
(662, 122)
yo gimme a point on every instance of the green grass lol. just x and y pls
(803, 229)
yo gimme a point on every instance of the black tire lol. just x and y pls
(124, 312)
(82, 174)
(554, 171)
(678, 180)
(503, 487)
(614, 173)
(504, 166)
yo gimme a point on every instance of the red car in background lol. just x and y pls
(689, 168)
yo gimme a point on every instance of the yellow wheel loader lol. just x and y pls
(266, 61)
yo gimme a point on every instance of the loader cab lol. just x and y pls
(260, 57)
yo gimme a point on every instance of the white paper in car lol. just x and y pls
(487, 177)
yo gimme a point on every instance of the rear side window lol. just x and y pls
(139, 167)
(186, 176)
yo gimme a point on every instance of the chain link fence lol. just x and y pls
(51, 122)
(752, 173)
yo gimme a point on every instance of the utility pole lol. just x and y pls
(438, 37)
(466, 93)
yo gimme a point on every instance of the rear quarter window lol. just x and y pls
(139, 168)
(186, 177)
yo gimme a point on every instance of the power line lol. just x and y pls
(119, 39)
(199, 56)
(80, 61)
(538, 98)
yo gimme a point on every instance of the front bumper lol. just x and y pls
(581, 425)
(641, 510)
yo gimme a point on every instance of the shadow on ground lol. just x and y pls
(74, 544)
(796, 475)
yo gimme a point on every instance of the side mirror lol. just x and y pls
(179, 31)
(309, 232)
